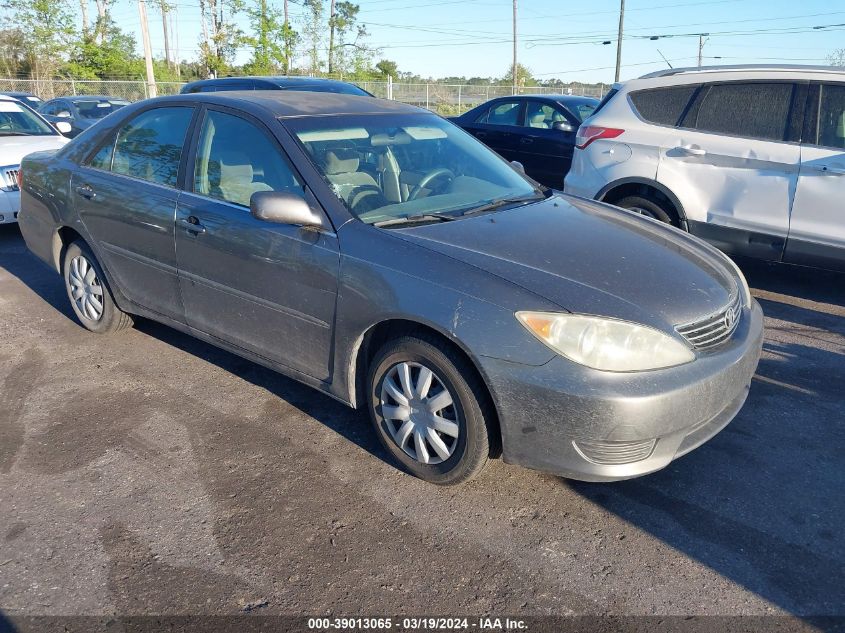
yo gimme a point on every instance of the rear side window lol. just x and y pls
(831, 116)
(663, 106)
(506, 113)
(753, 110)
(149, 146)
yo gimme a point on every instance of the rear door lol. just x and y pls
(267, 288)
(500, 127)
(126, 196)
(732, 165)
(544, 151)
(817, 229)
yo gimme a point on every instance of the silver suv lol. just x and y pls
(749, 158)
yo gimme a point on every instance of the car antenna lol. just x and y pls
(664, 59)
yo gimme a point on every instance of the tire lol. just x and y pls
(467, 452)
(648, 207)
(90, 297)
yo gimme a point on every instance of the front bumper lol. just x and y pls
(10, 206)
(590, 425)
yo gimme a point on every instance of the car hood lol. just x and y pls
(590, 258)
(14, 148)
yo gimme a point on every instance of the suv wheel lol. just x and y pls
(648, 207)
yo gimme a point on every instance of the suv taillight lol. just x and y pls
(588, 133)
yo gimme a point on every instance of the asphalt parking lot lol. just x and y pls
(152, 473)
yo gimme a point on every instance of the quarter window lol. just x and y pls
(753, 110)
(236, 159)
(663, 106)
(832, 117)
(149, 147)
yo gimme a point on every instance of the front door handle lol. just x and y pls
(86, 191)
(526, 140)
(480, 134)
(192, 224)
(689, 150)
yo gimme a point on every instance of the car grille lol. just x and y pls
(614, 453)
(9, 178)
(715, 329)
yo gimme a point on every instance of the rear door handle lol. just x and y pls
(192, 224)
(86, 191)
(689, 150)
(834, 171)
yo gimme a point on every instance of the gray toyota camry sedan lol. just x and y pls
(382, 255)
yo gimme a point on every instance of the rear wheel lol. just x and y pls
(88, 292)
(423, 405)
(649, 207)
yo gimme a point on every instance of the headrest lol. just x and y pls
(537, 120)
(341, 160)
(230, 167)
(840, 126)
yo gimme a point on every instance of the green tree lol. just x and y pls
(523, 77)
(386, 68)
(46, 29)
(312, 31)
(270, 40)
(111, 58)
(837, 58)
(220, 34)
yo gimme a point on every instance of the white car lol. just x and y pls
(749, 158)
(22, 132)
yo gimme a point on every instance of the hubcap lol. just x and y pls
(420, 413)
(85, 288)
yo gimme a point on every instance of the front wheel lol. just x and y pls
(423, 405)
(88, 292)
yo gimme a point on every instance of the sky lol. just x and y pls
(438, 38)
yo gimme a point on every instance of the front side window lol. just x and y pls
(394, 167)
(542, 115)
(831, 117)
(18, 120)
(149, 146)
(752, 110)
(235, 159)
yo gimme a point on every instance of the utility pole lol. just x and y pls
(148, 53)
(166, 34)
(287, 39)
(702, 38)
(331, 37)
(619, 38)
(514, 67)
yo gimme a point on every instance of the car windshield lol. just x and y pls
(90, 109)
(18, 120)
(339, 88)
(389, 168)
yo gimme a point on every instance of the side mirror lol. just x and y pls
(563, 126)
(64, 127)
(518, 166)
(284, 207)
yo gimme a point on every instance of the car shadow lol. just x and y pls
(762, 502)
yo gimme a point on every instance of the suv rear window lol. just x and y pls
(752, 110)
(663, 106)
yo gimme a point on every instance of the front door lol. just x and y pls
(817, 230)
(125, 195)
(546, 152)
(732, 168)
(267, 288)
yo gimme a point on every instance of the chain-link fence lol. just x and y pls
(445, 99)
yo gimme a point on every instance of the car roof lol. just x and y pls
(708, 74)
(14, 94)
(279, 80)
(285, 104)
(560, 97)
(92, 98)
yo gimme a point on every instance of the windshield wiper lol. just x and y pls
(16, 133)
(501, 202)
(415, 219)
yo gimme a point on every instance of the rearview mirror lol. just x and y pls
(284, 207)
(563, 126)
(63, 114)
(63, 127)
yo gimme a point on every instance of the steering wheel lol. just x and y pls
(440, 172)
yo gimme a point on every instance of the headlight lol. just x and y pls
(606, 344)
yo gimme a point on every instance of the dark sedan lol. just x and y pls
(537, 131)
(376, 252)
(307, 84)
(80, 112)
